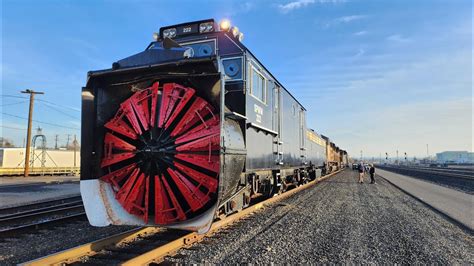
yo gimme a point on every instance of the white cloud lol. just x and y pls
(347, 19)
(360, 33)
(344, 20)
(285, 8)
(398, 38)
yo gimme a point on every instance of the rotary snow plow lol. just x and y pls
(152, 141)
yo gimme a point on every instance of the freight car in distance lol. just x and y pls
(192, 127)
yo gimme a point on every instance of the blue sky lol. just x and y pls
(375, 76)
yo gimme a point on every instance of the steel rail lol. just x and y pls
(27, 213)
(34, 214)
(40, 204)
(435, 172)
(156, 255)
(441, 170)
(14, 231)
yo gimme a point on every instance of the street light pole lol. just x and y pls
(28, 133)
(427, 152)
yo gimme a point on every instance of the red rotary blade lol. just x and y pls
(209, 162)
(154, 101)
(123, 192)
(208, 143)
(136, 202)
(117, 124)
(197, 112)
(116, 177)
(171, 211)
(127, 108)
(139, 102)
(210, 127)
(204, 180)
(173, 101)
(194, 197)
(113, 143)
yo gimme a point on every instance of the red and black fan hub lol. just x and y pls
(161, 154)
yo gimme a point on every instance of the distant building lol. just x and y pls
(15, 158)
(455, 157)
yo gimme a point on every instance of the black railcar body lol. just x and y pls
(264, 145)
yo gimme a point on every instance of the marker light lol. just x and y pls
(156, 36)
(206, 27)
(225, 25)
(235, 31)
(169, 33)
(241, 37)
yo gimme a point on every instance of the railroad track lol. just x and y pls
(466, 173)
(445, 172)
(146, 245)
(460, 181)
(31, 217)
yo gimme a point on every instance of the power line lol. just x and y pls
(41, 100)
(62, 106)
(16, 128)
(46, 123)
(8, 104)
(12, 96)
(59, 111)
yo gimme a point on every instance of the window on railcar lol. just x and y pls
(258, 88)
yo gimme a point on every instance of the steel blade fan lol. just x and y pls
(161, 154)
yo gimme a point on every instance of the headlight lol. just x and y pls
(169, 33)
(225, 25)
(206, 27)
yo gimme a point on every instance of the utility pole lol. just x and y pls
(28, 133)
(75, 146)
(360, 155)
(67, 142)
(397, 158)
(56, 141)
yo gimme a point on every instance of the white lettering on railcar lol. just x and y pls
(258, 113)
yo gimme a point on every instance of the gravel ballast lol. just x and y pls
(27, 247)
(338, 221)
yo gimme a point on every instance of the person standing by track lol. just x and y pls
(361, 172)
(372, 174)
